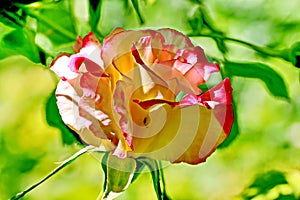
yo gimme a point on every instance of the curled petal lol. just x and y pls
(61, 67)
(113, 33)
(90, 40)
(96, 106)
(219, 99)
(78, 45)
(182, 138)
(120, 44)
(173, 37)
(199, 69)
(68, 105)
(88, 51)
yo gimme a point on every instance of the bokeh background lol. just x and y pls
(263, 159)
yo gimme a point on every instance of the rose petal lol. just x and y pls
(67, 102)
(182, 138)
(218, 98)
(199, 69)
(61, 67)
(173, 37)
(88, 51)
(174, 135)
(120, 44)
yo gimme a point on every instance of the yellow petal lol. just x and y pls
(188, 134)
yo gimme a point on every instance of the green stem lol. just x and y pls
(157, 175)
(162, 178)
(57, 169)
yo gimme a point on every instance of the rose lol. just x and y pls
(124, 96)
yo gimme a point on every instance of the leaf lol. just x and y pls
(95, 13)
(11, 19)
(136, 7)
(94, 4)
(266, 183)
(53, 118)
(196, 22)
(271, 78)
(119, 173)
(19, 41)
(294, 54)
(60, 31)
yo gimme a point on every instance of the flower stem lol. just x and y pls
(57, 169)
(157, 175)
(263, 50)
(162, 177)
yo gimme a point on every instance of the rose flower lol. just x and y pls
(125, 96)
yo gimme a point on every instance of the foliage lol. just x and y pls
(39, 30)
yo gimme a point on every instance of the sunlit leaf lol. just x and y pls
(19, 41)
(54, 119)
(267, 183)
(196, 22)
(270, 77)
(295, 54)
(11, 19)
(136, 6)
(95, 13)
(58, 31)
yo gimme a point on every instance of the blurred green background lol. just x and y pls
(264, 157)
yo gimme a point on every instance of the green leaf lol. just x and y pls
(196, 22)
(119, 174)
(58, 31)
(11, 19)
(53, 118)
(19, 41)
(95, 13)
(294, 54)
(271, 78)
(136, 7)
(266, 182)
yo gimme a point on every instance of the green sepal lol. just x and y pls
(119, 173)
